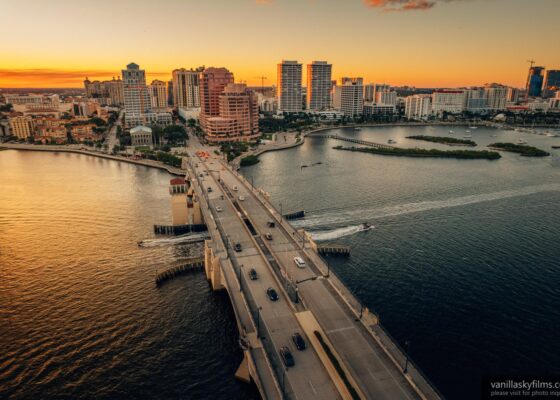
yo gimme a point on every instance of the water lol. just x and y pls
(464, 259)
(80, 315)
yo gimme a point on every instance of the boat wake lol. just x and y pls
(183, 239)
(339, 232)
(339, 216)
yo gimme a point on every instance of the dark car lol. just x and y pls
(298, 341)
(238, 247)
(287, 356)
(268, 236)
(271, 293)
(209, 189)
(271, 224)
(253, 274)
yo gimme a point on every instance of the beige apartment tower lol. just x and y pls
(319, 85)
(288, 91)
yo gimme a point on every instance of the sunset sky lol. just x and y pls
(425, 43)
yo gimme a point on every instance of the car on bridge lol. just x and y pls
(219, 209)
(298, 341)
(253, 274)
(241, 198)
(268, 236)
(271, 293)
(271, 224)
(238, 247)
(287, 357)
(235, 188)
(299, 262)
(209, 189)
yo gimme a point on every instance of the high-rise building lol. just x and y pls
(476, 100)
(515, 95)
(319, 85)
(551, 82)
(496, 96)
(351, 96)
(158, 95)
(170, 93)
(378, 87)
(136, 96)
(418, 106)
(386, 97)
(114, 90)
(186, 91)
(450, 101)
(22, 126)
(369, 91)
(289, 86)
(212, 83)
(535, 81)
(238, 119)
(107, 92)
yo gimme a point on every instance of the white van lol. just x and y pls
(299, 262)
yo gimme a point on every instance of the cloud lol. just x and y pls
(403, 5)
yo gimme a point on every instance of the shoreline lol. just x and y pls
(59, 149)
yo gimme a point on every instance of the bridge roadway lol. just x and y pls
(375, 373)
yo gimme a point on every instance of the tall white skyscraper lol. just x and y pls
(319, 85)
(352, 96)
(288, 91)
(136, 96)
(418, 106)
(186, 87)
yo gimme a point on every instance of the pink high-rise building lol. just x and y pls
(212, 84)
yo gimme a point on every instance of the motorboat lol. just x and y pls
(366, 226)
(473, 127)
(521, 141)
(451, 132)
(468, 131)
(391, 141)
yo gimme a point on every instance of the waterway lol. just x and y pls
(462, 262)
(80, 315)
(464, 259)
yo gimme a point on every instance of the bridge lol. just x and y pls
(352, 140)
(349, 355)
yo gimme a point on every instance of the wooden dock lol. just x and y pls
(333, 250)
(196, 264)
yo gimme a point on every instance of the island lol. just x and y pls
(445, 140)
(396, 151)
(524, 150)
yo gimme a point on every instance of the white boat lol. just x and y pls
(473, 127)
(550, 134)
(468, 131)
(357, 128)
(451, 132)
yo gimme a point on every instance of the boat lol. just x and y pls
(451, 132)
(366, 226)
(468, 131)
(521, 141)
(391, 141)
(467, 136)
(140, 243)
(556, 147)
(550, 134)
(357, 128)
(473, 127)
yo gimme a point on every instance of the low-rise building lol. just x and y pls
(378, 109)
(141, 136)
(84, 132)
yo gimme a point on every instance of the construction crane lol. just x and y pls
(262, 78)
(531, 63)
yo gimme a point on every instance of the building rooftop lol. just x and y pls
(140, 129)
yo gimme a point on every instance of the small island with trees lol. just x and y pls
(527, 151)
(416, 152)
(444, 139)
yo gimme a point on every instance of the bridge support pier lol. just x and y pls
(212, 266)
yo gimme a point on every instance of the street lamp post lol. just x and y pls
(407, 347)
(281, 212)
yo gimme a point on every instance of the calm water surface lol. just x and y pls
(464, 260)
(80, 315)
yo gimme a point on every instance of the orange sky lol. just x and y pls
(423, 43)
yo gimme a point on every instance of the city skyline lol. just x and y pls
(416, 43)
